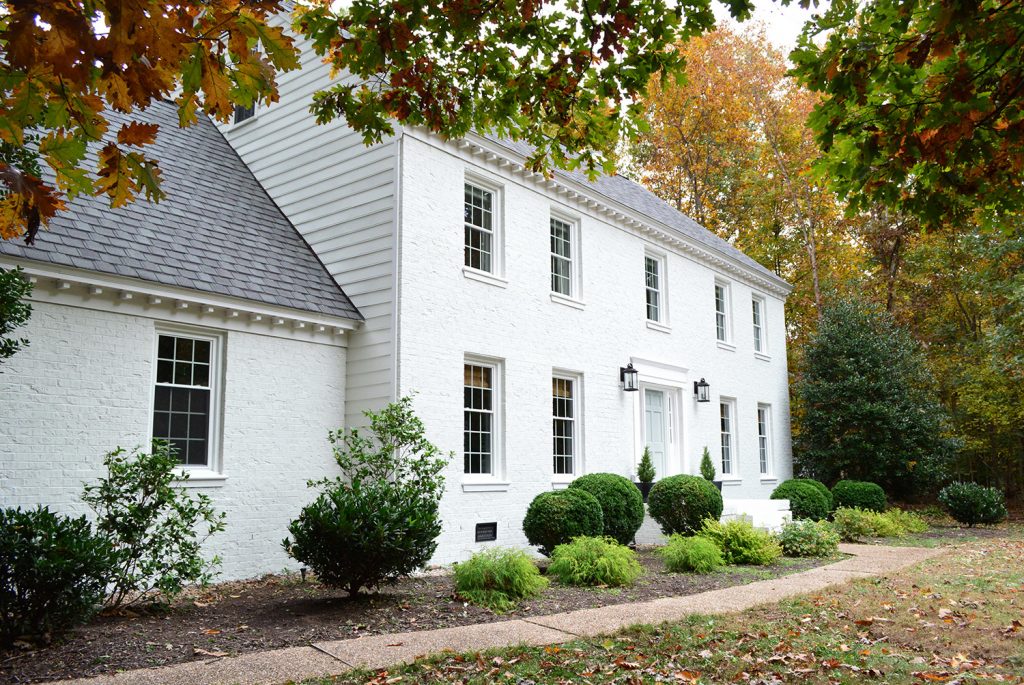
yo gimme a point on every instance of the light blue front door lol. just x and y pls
(656, 428)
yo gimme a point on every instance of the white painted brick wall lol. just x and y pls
(83, 387)
(444, 315)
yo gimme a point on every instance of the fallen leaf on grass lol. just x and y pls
(1013, 627)
(211, 631)
(203, 652)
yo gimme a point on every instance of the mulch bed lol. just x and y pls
(282, 611)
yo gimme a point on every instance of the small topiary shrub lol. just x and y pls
(53, 573)
(971, 504)
(498, 578)
(645, 471)
(681, 503)
(907, 521)
(555, 518)
(741, 543)
(707, 469)
(691, 555)
(594, 561)
(819, 486)
(809, 539)
(622, 505)
(805, 500)
(858, 494)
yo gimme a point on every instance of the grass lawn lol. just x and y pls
(954, 619)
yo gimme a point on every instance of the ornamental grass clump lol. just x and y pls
(681, 503)
(741, 543)
(971, 504)
(809, 539)
(622, 505)
(595, 561)
(555, 518)
(691, 555)
(498, 578)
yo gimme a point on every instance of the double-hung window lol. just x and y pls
(184, 403)
(726, 411)
(757, 305)
(654, 281)
(479, 218)
(764, 442)
(722, 312)
(564, 424)
(562, 256)
(480, 401)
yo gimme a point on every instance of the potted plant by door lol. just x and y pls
(707, 469)
(645, 473)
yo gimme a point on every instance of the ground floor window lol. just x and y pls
(479, 418)
(728, 438)
(764, 444)
(183, 397)
(564, 411)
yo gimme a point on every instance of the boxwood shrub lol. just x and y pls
(681, 503)
(554, 518)
(971, 504)
(859, 494)
(622, 505)
(805, 500)
(819, 486)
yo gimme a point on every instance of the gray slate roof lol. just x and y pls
(643, 201)
(217, 231)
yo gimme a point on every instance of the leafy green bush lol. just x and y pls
(819, 486)
(907, 521)
(972, 504)
(380, 520)
(859, 494)
(855, 524)
(691, 554)
(53, 573)
(594, 561)
(809, 539)
(681, 503)
(622, 506)
(498, 578)
(805, 500)
(741, 543)
(156, 527)
(645, 472)
(707, 469)
(554, 518)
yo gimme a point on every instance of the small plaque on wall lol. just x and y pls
(485, 532)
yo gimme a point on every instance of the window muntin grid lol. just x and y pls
(725, 410)
(721, 330)
(758, 326)
(479, 227)
(763, 441)
(563, 427)
(478, 419)
(652, 275)
(181, 406)
(561, 257)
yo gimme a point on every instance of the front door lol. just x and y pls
(656, 429)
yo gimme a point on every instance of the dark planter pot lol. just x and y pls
(645, 489)
(717, 484)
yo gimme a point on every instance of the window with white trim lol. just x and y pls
(563, 257)
(764, 441)
(654, 281)
(183, 402)
(757, 313)
(728, 433)
(722, 331)
(479, 210)
(481, 415)
(565, 424)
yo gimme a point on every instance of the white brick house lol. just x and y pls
(506, 303)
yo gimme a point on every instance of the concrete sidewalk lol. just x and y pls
(379, 651)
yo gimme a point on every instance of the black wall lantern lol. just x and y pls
(629, 377)
(702, 391)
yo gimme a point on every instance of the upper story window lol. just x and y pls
(480, 417)
(184, 404)
(654, 275)
(563, 256)
(564, 427)
(757, 305)
(480, 224)
(726, 410)
(764, 442)
(722, 326)
(243, 113)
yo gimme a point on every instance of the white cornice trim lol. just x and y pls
(99, 288)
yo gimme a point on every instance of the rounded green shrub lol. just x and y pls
(691, 555)
(554, 518)
(498, 578)
(594, 561)
(859, 494)
(54, 572)
(971, 504)
(622, 505)
(819, 486)
(805, 500)
(809, 539)
(741, 543)
(681, 503)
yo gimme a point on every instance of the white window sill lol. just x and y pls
(484, 277)
(201, 478)
(660, 327)
(726, 346)
(769, 479)
(567, 301)
(485, 486)
(762, 356)
(732, 480)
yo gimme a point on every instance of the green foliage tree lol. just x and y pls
(707, 469)
(867, 408)
(14, 310)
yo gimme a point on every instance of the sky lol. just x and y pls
(783, 24)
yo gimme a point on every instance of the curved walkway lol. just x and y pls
(379, 651)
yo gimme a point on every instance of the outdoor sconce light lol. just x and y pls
(702, 391)
(629, 377)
